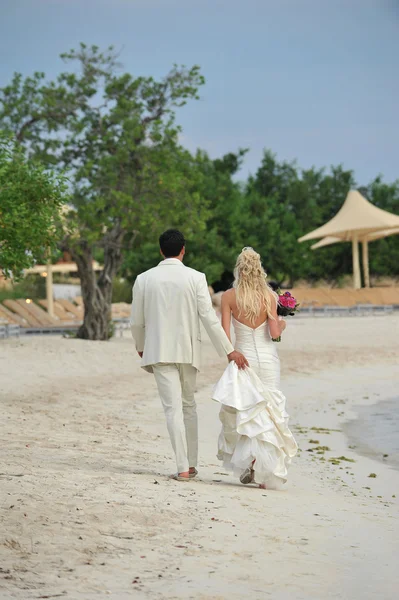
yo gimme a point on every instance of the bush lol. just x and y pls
(122, 290)
(33, 286)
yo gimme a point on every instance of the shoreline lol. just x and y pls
(88, 510)
(370, 418)
(339, 460)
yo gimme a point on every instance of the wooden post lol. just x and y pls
(366, 268)
(356, 265)
(49, 290)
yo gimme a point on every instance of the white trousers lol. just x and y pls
(176, 387)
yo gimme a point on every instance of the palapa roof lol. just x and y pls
(357, 216)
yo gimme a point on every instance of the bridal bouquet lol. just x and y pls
(286, 306)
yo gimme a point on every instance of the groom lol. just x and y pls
(169, 302)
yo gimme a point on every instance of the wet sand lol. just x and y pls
(375, 431)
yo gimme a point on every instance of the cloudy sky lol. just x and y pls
(314, 80)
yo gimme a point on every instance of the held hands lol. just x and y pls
(239, 359)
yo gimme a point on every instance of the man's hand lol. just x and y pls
(140, 354)
(239, 359)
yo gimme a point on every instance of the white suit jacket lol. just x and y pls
(169, 301)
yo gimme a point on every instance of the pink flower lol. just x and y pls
(287, 301)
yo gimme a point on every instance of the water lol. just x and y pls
(375, 432)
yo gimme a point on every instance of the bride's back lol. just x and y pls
(251, 300)
(240, 317)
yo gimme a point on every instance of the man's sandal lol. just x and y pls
(177, 477)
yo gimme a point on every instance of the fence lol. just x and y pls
(359, 310)
(8, 331)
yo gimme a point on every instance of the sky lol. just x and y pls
(312, 80)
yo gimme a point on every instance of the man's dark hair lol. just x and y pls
(172, 243)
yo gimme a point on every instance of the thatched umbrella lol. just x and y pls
(377, 235)
(356, 220)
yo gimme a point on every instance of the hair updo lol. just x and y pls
(253, 294)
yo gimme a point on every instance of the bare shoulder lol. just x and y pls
(229, 296)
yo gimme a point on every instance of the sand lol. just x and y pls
(87, 510)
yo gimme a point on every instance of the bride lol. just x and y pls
(255, 442)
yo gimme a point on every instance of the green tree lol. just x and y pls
(283, 203)
(326, 193)
(30, 203)
(211, 249)
(384, 253)
(215, 251)
(117, 136)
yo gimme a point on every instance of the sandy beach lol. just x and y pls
(87, 510)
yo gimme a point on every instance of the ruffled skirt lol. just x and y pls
(254, 427)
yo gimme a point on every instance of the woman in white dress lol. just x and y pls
(255, 442)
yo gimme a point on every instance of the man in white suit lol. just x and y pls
(169, 303)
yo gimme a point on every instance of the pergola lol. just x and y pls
(357, 220)
(47, 272)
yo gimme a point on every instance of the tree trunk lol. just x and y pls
(97, 294)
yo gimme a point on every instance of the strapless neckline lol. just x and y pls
(248, 327)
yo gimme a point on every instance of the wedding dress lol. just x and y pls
(253, 415)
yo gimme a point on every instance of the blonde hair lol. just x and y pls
(253, 294)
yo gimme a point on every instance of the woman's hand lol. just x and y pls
(276, 322)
